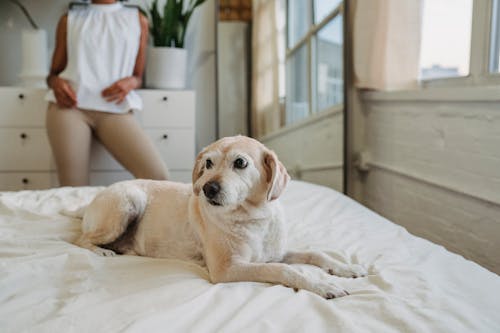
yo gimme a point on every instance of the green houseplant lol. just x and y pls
(167, 58)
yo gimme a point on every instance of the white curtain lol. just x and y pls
(386, 43)
(265, 106)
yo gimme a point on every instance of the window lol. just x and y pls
(322, 8)
(329, 65)
(314, 57)
(494, 65)
(299, 20)
(460, 43)
(446, 38)
(297, 106)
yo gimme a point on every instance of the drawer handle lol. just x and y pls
(23, 135)
(165, 98)
(21, 96)
(165, 136)
(25, 180)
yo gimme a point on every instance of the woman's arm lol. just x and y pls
(63, 92)
(119, 90)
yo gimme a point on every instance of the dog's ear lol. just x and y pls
(198, 171)
(276, 175)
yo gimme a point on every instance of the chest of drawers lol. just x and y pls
(26, 159)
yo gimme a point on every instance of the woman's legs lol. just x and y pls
(126, 141)
(70, 136)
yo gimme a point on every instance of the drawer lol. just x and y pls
(167, 108)
(14, 181)
(105, 178)
(22, 107)
(176, 147)
(24, 150)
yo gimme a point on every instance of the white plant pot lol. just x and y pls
(166, 68)
(34, 67)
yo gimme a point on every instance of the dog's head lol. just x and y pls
(236, 169)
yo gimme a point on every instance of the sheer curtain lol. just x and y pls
(265, 106)
(386, 43)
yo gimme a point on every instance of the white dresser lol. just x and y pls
(25, 156)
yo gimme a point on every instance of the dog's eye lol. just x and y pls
(240, 163)
(209, 164)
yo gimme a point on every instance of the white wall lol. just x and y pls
(312, 150)
(200, 42)
(233, 65)
(435, 167)
(46, 14)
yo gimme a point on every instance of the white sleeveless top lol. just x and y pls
(102, 46)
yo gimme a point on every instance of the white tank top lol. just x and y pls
(102, 46)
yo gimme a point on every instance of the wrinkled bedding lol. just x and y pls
(49, 285)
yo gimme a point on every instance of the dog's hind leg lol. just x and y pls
(108, 216)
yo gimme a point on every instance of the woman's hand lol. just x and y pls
(65, 96)
(120, 89)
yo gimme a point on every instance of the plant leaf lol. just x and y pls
(187, 16)
(156, 24)
(179, 27)
(169, 29)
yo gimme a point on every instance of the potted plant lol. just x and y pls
(34, 52)
(167, 59)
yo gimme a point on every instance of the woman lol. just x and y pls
(98, 61)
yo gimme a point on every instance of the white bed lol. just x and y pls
(50, 285)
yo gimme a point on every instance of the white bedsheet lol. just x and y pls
(50, 285)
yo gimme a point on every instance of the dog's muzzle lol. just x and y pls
(211, 189)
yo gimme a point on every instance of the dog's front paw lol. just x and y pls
(329, 290)
(350, 271)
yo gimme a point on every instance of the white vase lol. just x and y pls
(34, 67)
(166, 68)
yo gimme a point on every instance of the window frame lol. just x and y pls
(309, 40)
(479, 65)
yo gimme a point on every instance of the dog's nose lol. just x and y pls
(211, 189)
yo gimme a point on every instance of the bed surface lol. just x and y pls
(50, 285)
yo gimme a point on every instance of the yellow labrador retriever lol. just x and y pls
(230, 220)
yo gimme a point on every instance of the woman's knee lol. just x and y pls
(69, 137)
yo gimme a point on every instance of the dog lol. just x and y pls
(229, 220)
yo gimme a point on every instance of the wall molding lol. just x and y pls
(299, 170)
(334, 111)
(319, 167)
(436, 94)
(432, 182)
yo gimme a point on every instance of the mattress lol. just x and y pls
(49, 285)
